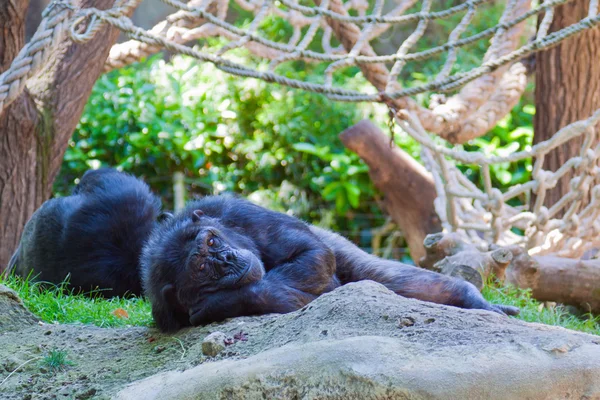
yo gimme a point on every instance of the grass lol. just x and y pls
(534, 311)
(53, 304)
(56, 361)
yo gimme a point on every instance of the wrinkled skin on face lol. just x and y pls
(214, 262)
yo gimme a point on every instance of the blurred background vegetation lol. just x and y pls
(277, 145)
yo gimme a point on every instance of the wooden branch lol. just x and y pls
(408, 188)
(132, 51)
(556, 279)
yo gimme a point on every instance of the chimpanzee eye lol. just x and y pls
(211, 242)
(202, 266)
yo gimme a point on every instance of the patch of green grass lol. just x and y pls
(56, 361)
(53, 303)
(534, 311)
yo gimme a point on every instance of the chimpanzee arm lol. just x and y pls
(263, 297)
(306, 269)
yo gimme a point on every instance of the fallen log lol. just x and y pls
(562, 280)
(407, 186)
(550, 278)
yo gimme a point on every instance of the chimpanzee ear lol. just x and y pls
(167, 312)
(165, 216)
(196, 215)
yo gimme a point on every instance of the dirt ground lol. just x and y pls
(105, 360)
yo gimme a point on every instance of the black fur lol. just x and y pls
(261, 261)
(94, 237)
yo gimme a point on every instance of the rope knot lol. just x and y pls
(57, 4)
(571, 225)
(543, 216)
(85, 25)
(496, 200)
(295, 18)
(542, 179)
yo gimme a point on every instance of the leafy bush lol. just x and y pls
(224, 134)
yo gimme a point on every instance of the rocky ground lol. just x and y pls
(359, 342)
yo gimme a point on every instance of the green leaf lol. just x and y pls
(353, 193)
(340, 202)
(529, 109)
(331, 190)
(521, 131)
(309, 148)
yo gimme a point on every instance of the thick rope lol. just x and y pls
(35, 55)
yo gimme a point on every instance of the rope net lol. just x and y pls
(341, 34)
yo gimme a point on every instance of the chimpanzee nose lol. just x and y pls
(229, 257)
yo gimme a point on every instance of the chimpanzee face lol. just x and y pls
(204, 257)
(214, 261)
(189, 258)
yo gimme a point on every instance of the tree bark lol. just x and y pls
(37, 126)
(408, 188)
(567, 88)
(448, 254)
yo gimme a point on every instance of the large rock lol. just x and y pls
(364, 342)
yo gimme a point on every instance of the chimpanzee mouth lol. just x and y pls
(252, 273)
(244, 274)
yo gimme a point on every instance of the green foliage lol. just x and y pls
(56, 304)
(56, 361)
(223, 133)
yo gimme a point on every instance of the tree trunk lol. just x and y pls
(17, 138)
(567, 88)
(37, 126)
(408, 188)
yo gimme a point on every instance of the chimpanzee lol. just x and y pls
(93, 237)
(224, 257)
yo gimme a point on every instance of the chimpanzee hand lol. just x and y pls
(474, 300)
